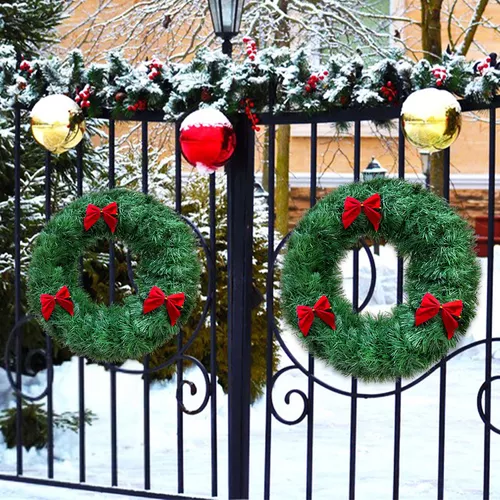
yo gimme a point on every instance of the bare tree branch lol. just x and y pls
(475, 22)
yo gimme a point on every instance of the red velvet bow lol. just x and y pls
(322, 309)
(450, 311)
(61, 298)
(353, 207)
(173, 303)
(108, 213)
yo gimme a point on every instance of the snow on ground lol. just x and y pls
(375, 430)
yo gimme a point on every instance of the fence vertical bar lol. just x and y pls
(48, 339)
(310, 381)
(489, 302)
(442, 368)
(180, 364)
(111, 183)
(399, 300)
(240, 182)
(355, 306)
(270, 296)
(17, 286)
(146, 377)
(81, 360)
(213, 333)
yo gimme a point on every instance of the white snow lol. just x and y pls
(375, 428)
(206, 117)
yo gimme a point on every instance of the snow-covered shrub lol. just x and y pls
(35, 424)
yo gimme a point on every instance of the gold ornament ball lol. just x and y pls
(431, 119)
(57, 123)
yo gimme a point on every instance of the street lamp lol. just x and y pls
(259, 191)
(425, 156)
(226, 18)
(373, 170)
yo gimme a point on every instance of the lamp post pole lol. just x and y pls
(227, 47)
(226, 17)
(374, 170)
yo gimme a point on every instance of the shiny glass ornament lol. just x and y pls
(431, 119)
(207, 139)
(57, 123)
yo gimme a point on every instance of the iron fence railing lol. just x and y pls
(240, 213)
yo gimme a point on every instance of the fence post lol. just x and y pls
(240, 185)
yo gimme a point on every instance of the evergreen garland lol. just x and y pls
(439, 248)
(212, 79)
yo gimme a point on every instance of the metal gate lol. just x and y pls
(236, 474)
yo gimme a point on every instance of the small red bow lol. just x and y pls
(353, 207)
(450, 311)
(323, 311)
(108, 213)
(62, 298)
(157, 298)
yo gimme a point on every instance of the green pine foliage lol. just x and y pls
(30, 25)
(438, 246)
(35, 424)
(212, 79)
(164, 247)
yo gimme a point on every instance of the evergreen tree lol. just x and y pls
(27, 30)
(30, 26)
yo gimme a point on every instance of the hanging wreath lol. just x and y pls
(167, 276)
(441, 281)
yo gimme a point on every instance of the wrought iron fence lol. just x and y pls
(240, 180)
(308, 397)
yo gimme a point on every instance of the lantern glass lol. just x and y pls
(226, 17)
(373, 170)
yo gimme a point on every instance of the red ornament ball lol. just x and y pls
(207, 139)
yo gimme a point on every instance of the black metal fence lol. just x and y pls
(240, 181)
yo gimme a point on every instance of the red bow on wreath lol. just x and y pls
(353, 207)
(450, 311)
(322, 309)
(108, 213)
(173, 303)
(61, 298)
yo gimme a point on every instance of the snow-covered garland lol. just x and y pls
(212, 79)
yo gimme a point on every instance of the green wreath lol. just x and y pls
(441, 281)
(167, 276)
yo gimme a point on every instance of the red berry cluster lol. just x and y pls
(389, 92)
(251, 47)
(440, 74)
(154, 68)
(82, 96)
(482, 66)
(250, 112)
(26, 66)
(206, 96)
(140, 105)
(313, 80)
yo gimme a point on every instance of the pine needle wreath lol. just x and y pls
(166, 253)
(438, 246)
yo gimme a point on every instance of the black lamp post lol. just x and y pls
(425, 156)
(226, 18)
(374, 170)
